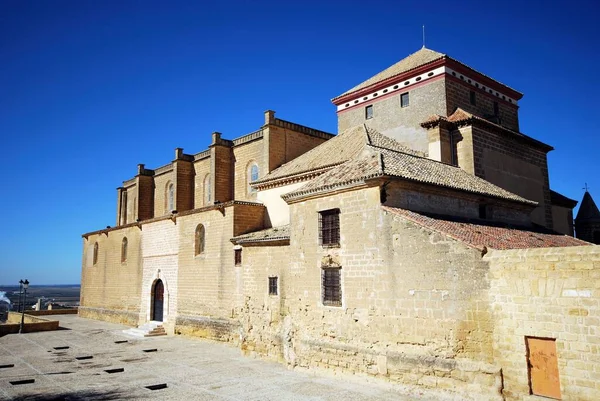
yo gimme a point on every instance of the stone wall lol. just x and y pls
(441, 201)
(112, 285)
(401, 123)
(520, 169)
(159, 252)
(414, 304)
(201, 171)
(161, 181)
(550, 293)
(458, 95)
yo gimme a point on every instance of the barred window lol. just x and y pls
(329, 228)
(272, 285)
(332, 286)
(237, 253)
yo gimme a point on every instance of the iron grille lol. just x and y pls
(329, 228)
(332, 287)
(272, 285)
(238, 257)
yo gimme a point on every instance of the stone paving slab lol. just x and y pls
(193, 369)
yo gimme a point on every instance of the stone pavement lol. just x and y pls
(102, 363)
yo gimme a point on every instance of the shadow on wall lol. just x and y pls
(78, 396)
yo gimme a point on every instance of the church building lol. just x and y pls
(421, 244)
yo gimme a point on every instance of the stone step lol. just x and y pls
(150, 329)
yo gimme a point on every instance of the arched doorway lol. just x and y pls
(158, 301)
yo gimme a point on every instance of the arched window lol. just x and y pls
(170, 197)
(207, 192)
(199, 239)
(124, 250)
(95, 259)
(252, 176)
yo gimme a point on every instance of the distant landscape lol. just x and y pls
(60, 296)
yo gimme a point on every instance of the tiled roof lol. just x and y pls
(561, 200)
(417, 59)
(480, 234)
(392, 161)
(333, 152)
(462, 117)
(281, 233)
(588, 209)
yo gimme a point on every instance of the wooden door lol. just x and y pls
(157, 308)
(543, 367)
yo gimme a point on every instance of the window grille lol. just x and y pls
(272, 285)
(237, 253)
(329, 228)
(332, 286)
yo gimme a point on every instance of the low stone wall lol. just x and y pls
(214, 329)
(46, 312)
(548, 293)
(31, 324)
(129, 318)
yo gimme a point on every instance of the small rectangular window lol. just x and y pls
(496, 109)
(272, 285)
(238, 257)
(404, 100)
(332, 286)
(473, 99)
(483, 211)
(369, 112)
(329, 228)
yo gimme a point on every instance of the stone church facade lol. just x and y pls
(421, 244)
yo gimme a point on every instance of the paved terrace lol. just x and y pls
(92, 360)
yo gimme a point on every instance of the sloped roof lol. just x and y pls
(274, 234)
(588, 209)
(417, 59)
(480, 234)
(462, 117)
(561, 200)
(335, 151)
(388, 160)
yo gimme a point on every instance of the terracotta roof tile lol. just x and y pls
(333, 152)
(281, 233)
(480, 234)
(393, 160)
(417, 59)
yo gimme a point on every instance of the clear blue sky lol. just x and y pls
(88, 89)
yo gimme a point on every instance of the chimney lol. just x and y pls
(140, 168)
(269, 117)
(216, 137)
(179, 153)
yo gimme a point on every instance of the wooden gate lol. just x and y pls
(158, 301)
(542, 364)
